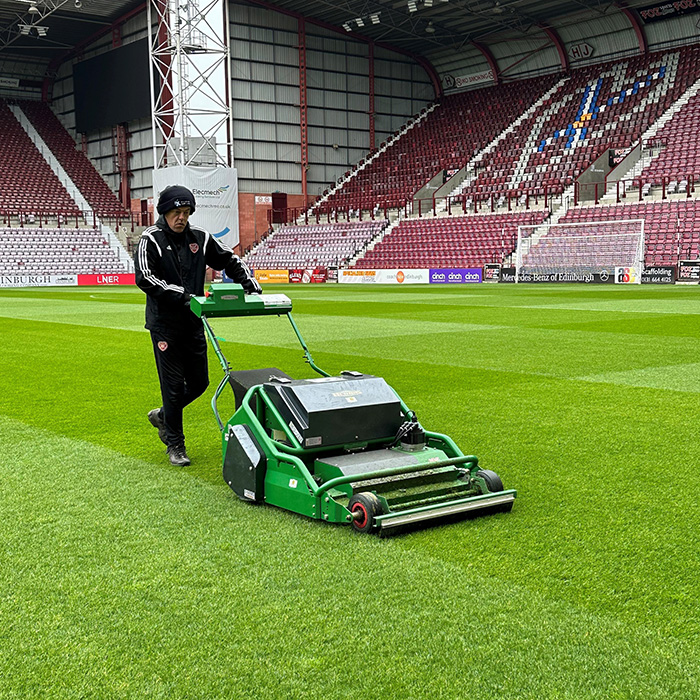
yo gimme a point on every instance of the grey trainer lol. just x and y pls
(154, 418)
(178, 456)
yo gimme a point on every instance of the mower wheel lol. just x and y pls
(493, 481)
(365, 507)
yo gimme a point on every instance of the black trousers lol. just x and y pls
(183, 373)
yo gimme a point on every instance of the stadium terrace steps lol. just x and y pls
(667, 151)
(681, 153)
(477, 160)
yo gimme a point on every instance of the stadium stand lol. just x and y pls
(28, 184)
(42, 229)
(324, 245)
(599, 107)
(671, 229)
(76, 164)
(445, 139)
(469, 241)
(679, 156)
(609, 106)
(56, 251)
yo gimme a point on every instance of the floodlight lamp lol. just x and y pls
(33, 10)
(360, 22)
(412, 6)
(428, 3)
(375, 17)
(430, 29)
(41, 31)
(347, 27)
(24, 29)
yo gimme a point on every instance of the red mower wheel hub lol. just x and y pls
(360, 508)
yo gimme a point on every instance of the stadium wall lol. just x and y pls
(265, 100)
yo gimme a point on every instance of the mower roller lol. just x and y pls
(344, 449)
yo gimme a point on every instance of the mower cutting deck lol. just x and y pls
(344, 449)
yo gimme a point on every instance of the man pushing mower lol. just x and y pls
(171, 261)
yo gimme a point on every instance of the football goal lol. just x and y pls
(581, 252)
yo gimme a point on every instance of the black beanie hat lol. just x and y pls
(173, 197)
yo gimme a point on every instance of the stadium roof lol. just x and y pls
(420, 27)
(425, 26)
(69, 23)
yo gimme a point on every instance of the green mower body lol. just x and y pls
(343, 449)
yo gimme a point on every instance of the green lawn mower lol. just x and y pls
(344, 449)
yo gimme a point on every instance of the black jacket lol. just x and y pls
(170, 268)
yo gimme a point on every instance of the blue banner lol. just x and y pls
(456, 275)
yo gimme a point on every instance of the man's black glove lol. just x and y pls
(186, 299)
(251, 286)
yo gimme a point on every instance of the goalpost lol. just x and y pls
(581, 252)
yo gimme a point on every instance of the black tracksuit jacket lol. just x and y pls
(171, 267)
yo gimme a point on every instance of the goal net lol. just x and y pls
(581, 252)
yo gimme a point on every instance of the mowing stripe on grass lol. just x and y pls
(681, 377)
(124, 579)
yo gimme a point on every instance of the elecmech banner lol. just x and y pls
(216, 196)
(456, 276)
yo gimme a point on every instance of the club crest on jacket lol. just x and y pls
(162, 345)
(194, 247)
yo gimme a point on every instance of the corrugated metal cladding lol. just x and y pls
(520, 58)
(609, 37)
(265, 89)
(450, 62)
(662, 34)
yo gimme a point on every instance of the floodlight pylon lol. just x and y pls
(189, 71)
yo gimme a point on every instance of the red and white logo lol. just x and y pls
(162, 345)
(194, 247)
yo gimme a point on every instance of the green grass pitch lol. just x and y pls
(124, 577)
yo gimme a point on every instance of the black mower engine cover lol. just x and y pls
(333, 411)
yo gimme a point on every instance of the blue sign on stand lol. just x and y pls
(468, 275)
